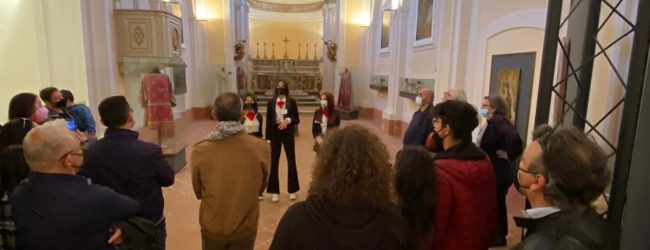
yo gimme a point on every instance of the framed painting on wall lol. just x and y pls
(385, 30)
(511, 77)
(424, 21)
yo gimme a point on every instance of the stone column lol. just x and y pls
(330, 32)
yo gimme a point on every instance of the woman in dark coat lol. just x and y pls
(349, 204)
(503, 144)
(326, 118)
(252, 119)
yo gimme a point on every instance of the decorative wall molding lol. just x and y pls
(313, 16)
(286, 8)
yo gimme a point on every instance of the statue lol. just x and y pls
(331, 50)
(239, 50)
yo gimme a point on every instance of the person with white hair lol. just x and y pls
(54, 208)
(454, 94)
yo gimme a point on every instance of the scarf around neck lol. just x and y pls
(225, 130)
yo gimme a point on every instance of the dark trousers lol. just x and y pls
(162, 234)
(286, 138)
(502, 211)
(246, 243)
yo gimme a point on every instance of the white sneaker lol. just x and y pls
(275, 197)
(293, 196)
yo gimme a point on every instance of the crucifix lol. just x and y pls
(307, 51)
(299, 46)
(285, 47)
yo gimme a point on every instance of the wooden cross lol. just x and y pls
(285, 47)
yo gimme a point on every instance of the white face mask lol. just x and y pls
(323, 103)
(418, 100)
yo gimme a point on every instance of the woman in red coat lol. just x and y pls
(465, 204)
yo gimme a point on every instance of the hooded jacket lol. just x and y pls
(318, 224)
(466, 206)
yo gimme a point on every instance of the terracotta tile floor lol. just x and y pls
(181, 206)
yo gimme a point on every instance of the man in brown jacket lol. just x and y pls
(229, 172)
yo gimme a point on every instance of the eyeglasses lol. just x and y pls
(71, 153)
(526, 171)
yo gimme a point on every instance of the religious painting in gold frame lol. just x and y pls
(424, 22)
(508, 81)
(385, 29)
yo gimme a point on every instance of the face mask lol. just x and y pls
(61, 104)
(484, 112)
(323, 103)
(282, 91)
(40, 115)
(418, 100)
(248, 106)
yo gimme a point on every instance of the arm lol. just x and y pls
(444, 202)
(260, 121)
(293, 112)
(196, 177)
(513, 143)
(163, 173)
(115, 207)
(315, 127)
(88, 120)
(270, 112)
(337, 119)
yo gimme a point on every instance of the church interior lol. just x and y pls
(580, 63)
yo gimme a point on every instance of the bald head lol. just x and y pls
(45, 145)
(427, 96)
(455, 94)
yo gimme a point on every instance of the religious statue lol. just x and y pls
(223, 84)
(345, 90)
(239, 50)
(331, 50)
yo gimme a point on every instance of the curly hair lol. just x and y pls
(461, 117)
(252, 95)
(352, 169)
(575, 168)
(415, 185)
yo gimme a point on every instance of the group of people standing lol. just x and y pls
(472, 179)
(65, 190)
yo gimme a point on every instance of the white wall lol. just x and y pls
(41, 44)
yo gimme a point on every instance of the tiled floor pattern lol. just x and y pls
(181, 206)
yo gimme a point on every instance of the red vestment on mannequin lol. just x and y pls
(157, 99)
(345, 91)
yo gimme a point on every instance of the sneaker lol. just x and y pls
(293, 196)
(275, 197)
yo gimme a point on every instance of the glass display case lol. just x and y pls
(379, 82)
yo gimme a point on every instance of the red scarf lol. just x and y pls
(280, 104)
(250, 115)
(326, 112)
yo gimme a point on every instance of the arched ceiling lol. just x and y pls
(287, 6)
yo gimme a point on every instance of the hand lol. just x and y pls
(283, 125)
(116, 238)
(502, 154)
(81, 135)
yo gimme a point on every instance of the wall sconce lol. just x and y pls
(203, 13)
(394, 5)
(363, 19)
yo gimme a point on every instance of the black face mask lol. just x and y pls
(61, 104)
(282, 91)
(248, 106)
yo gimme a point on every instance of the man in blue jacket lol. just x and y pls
(132, 167)
(421, 124)
(56, 209)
